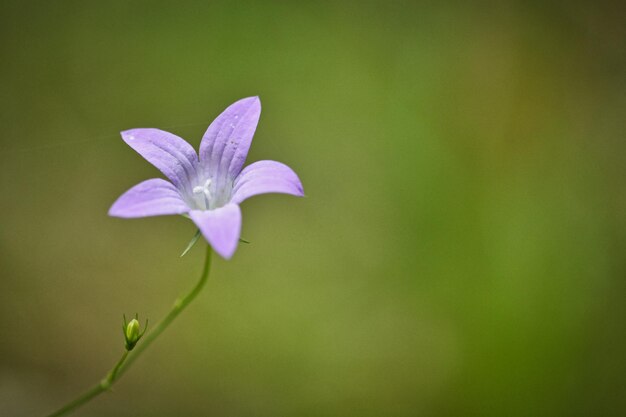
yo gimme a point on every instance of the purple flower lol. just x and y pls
(208, 188)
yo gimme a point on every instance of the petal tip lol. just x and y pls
(252, 100)
(114, 211)
(220, 227)
(226, 254)
(225, 251)
(128, 135)
(299, 192)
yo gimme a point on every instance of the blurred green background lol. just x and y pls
(461, 250)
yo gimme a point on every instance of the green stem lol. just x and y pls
(123, 364)
(95, 390)
(179, 305)
(112, 376)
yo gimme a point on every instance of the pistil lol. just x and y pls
(204, 191)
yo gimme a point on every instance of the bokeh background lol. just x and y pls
(460, 251)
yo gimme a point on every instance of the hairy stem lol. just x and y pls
(126, 360)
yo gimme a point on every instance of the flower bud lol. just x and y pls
(132, 333)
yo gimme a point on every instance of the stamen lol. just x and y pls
(205, 190)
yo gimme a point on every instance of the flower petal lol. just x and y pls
(266, 177)
(220, 227)
(225, 144)
(173, 156)
(153, 197)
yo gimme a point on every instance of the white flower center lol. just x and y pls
(209, 194)
(202, 194)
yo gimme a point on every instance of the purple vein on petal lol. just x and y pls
(228, 137)
(266, 177)
(153, 197)
(246, 128)
(172, 155)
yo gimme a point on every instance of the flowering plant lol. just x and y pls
(206, 187)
